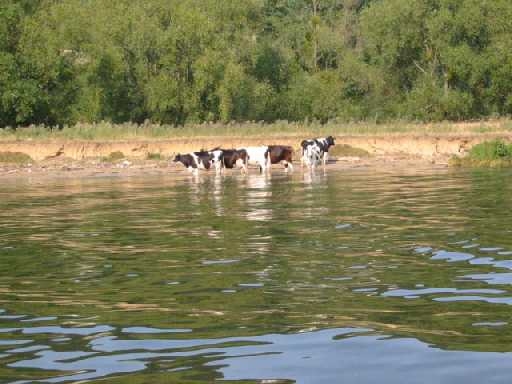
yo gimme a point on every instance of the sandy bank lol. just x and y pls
(86, 156)
(414, 145)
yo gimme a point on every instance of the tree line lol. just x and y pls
(190, 61)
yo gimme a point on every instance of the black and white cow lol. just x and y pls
(194, 161)
(312, 155)
(311, 148)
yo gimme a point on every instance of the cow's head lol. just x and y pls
(216, 158)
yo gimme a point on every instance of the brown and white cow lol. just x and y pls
(235, 158)
(280, 153)
(230, 158)
(257, 156)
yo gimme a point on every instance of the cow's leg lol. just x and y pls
(315, 158)
(287, 165)
(312, 157)
(326, 155)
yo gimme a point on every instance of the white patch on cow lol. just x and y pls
(287, 166)
(217, 161)
(256, 156)
(197, 161)
(323, 140)
(240, 163)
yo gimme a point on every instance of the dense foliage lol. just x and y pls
(183, 61)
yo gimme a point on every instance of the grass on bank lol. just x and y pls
(113, 157)
(494, 154)
(341, 150)
(154, 156)
(127, 131)
(18, 158)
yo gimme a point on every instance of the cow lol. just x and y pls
(235, 157)
(194, 161)
(280, 153)
(257, 156)
(312, 155)
(229, 158)
(322, 144)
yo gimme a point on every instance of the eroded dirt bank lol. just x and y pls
(153, 155)
(414, 145)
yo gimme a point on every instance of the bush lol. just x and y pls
(114, 156)
(491, 150)
(153, 156)
(492, 154)
(15, 158)
(347, 150)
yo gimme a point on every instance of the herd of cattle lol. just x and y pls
(313, 153)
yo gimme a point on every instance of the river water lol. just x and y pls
(344, 276)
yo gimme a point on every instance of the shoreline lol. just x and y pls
(77, 158)
(71, 170)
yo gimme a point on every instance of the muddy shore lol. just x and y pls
(83, 158)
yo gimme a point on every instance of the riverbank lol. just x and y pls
(90, 157)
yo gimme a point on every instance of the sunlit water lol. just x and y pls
(338, 277)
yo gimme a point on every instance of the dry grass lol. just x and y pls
(109, 131)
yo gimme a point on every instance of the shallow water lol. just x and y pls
(346, 276)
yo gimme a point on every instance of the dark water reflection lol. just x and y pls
(344, 276)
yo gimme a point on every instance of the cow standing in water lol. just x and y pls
(311, 155)
(280, 153)
(316, 147)
(235, 158)
(257, 156)
(195, 160)
(229, 158)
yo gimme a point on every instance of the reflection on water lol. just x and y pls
(335, 276)
(327, 356)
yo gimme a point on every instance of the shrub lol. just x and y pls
(114, 156)
(347, 150)
(491, 150)
(14, 158)
(491, 154)
(154, 156)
